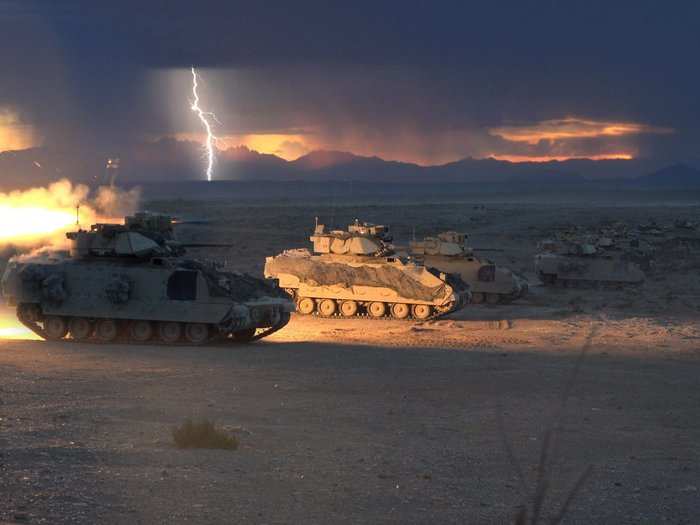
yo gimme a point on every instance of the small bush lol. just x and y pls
(203, 435)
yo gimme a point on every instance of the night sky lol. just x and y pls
(427, 82)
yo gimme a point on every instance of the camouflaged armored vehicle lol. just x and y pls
(123, 282)
(356, 272)
(488, 283)
(585, 265)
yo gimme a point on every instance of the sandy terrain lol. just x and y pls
(356, 421)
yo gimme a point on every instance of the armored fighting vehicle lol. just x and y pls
(118, 283)
(357, 273)
(585, 265)
(488, 282)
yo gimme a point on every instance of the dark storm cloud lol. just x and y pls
(440, 74)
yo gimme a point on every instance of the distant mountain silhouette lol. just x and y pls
(676, 176)
(322, 159)
(172, 160)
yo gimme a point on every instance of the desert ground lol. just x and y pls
(360, 421)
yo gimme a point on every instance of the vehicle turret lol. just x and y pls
(358, 239)
(143, 234)
(113, 240)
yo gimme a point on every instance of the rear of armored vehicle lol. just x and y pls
(488, 282)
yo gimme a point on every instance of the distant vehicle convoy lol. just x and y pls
(133, 282)
(585, 265)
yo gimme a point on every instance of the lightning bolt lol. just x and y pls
(204, 117)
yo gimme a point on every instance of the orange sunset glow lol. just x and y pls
(14, 135)
(560, 158)
(412, 147)
(573, 128)
(287, 146)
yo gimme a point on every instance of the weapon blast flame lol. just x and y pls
(204, 117)
(19, 222)
(39, 217)
(42, 215)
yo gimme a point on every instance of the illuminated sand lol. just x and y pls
(356, 421)
(333, 428)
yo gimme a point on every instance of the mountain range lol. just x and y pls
(172, 160)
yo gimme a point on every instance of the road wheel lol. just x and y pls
(196, 333)
(140, 331)
(244, 336)
(422, 311)
(28, 312)
(400, 311)
(493, 298)
(477, 298)
(377, 309)
(348, 308)
(548, 279)
(327, 307)
(306, 306)
(55, 327)
(106, 330)
(169, 332)
(80, 328)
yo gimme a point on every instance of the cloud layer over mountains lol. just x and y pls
(411, 82)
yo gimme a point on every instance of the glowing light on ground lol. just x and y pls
(17, 332)
(204, 117)
(11, 328)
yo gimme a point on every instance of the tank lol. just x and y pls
(578, 264)
(122, 282)
(488, 282)
(356, 272)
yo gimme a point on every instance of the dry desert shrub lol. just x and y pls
(531, 508)
(203, 435)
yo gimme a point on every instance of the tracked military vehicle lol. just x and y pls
(488, 283)
(127, 282)
(357, 273)
(585, 265)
